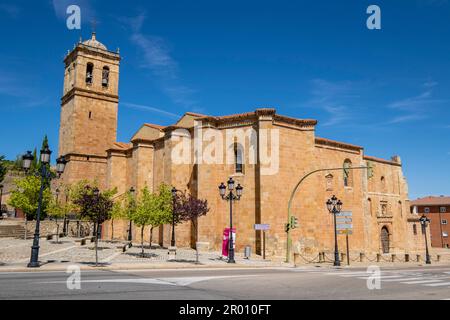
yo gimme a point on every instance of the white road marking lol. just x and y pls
(438, 284)
(182, 281)
(422, 281)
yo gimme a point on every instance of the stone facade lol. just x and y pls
(379, 203)
(88, 110)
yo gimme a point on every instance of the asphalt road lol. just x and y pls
(223, 284)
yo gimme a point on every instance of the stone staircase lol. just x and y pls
(13, 231)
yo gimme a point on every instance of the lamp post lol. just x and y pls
(174, 194)
(130, 238)
(424, 221)
(334, 206)
(45, 174)
(230, 197)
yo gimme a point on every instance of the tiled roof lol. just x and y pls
(337, 144)
(431, 201)
(121, 146)
(154, 126)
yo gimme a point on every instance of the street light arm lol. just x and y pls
(294, 192)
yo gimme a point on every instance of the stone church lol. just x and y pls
(267, 153)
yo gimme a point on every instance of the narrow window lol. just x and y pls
(400, 208)
(348, 174)
(105, 77)
(415, 229)
(383, 184)
(89, 73)
(369, 204)
(238, 158)
(90, 114)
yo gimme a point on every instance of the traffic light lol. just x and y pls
(287, 227)
(370, 167)
(294, 222)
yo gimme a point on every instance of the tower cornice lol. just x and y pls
(76, 91)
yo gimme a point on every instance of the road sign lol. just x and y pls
(347, 232)
(343, 220)
(344, 226)
(262, 226)
(344, 214)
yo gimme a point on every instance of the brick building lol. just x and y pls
(437, 209)
(265, 152)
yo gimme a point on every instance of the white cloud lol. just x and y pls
(335, 98)
(418, 106)
(157, 58)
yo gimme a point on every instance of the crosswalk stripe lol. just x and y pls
(422, 281)
(402, 279)
(380, 277)
(438, 284)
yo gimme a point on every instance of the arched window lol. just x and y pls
(348, 175)
(105, 76)
(238, 158)
(89, 73)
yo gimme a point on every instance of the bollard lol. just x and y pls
(361, 257)
(321, 257)
(418, 257)
(393, 258)
(378, 257)
(296, 259)
(406, 257)
(172, 254)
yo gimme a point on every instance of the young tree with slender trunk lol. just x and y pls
(96, 207)
(191, 209)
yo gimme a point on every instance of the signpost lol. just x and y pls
(263, 228)
(344, 225)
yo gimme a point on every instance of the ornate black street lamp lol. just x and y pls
(130, 238)
(334, 206)
(230, 197)
(45, 174)
(174, 195)
(424, 222)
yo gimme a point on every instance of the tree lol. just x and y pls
(129, 208)
(26, 196)
(162, 213)
(96, 207)
(191, 209)
(146, 206)
(3, 168)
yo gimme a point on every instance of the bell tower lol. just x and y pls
(89, 106)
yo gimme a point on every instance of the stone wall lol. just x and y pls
(48, 227)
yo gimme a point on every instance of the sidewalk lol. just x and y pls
(15, 254)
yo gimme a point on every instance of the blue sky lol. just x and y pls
(387, 90)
